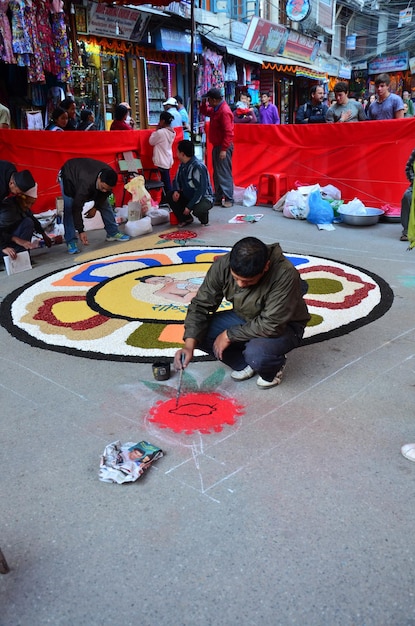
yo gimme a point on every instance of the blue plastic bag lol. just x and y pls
(321, 211)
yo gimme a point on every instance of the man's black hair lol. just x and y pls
(248, 257)
(109, 176)
(179, 99)
(66, 103)
(120, 112)
(186, 146)
(341, 86)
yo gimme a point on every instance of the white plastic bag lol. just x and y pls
(158, 216)
(355, 207)
(295, 205)
(238, 194)
(139, 227)
(330, 192)
(250, 196)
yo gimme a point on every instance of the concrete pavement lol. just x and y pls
(303, 514)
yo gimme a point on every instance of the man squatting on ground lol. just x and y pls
(192, 191)
(83, 180)
(267, 319)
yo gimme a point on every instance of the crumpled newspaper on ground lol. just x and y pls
(125, 462)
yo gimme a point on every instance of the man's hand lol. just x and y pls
(47, 240)
(186, 211)
(176, 196)
(84, 238)
(345, 116)
(11, 252)
(187, 357)
(222, 155)
(221, 343)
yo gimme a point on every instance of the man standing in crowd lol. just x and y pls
(221, 132)
(4, 117)
(171, 106)
(83, 180)
(267, 319)
(192, 192)
(313, 111)
(387, 106)
(344, 110)
(267, 112)
(12, 181)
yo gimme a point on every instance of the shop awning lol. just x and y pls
(278, 63)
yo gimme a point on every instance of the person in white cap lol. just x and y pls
(171, 106)
(17, 224)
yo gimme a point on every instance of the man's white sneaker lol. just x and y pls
(244, 374)
(267, 384)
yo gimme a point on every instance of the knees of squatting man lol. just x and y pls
(255, 336)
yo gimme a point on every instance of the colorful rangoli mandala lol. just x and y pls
(132, 306)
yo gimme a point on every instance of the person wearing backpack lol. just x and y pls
(314, 111)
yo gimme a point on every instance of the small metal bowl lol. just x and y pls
(372, 217)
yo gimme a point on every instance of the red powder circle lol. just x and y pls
(196, 412)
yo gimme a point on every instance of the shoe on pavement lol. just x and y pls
(118, 237)
(227, 204)
(244, 374)
(408, 451)
(186, 222)
(267, 384)
(403, 237)
(73, 248)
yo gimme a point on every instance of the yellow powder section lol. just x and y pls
(71, 312)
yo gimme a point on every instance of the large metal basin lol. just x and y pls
(372, 217)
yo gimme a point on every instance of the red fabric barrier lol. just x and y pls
(44, 153)
(365, 159)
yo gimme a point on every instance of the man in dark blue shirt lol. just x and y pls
(314, 111)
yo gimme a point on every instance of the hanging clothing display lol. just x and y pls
(210, 73)
(6, 49)
(36, 73)
(60, 41)
(44, 31)
(21, 43)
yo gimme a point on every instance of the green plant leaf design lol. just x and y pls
(189, 382)
(164, 390)
(214, 380)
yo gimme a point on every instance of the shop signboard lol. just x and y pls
(389, 63)
(176, 41)
(117, 22)
(301, 47)
(265, 37)
(297, 10)
(405, 17)
(345, 71)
